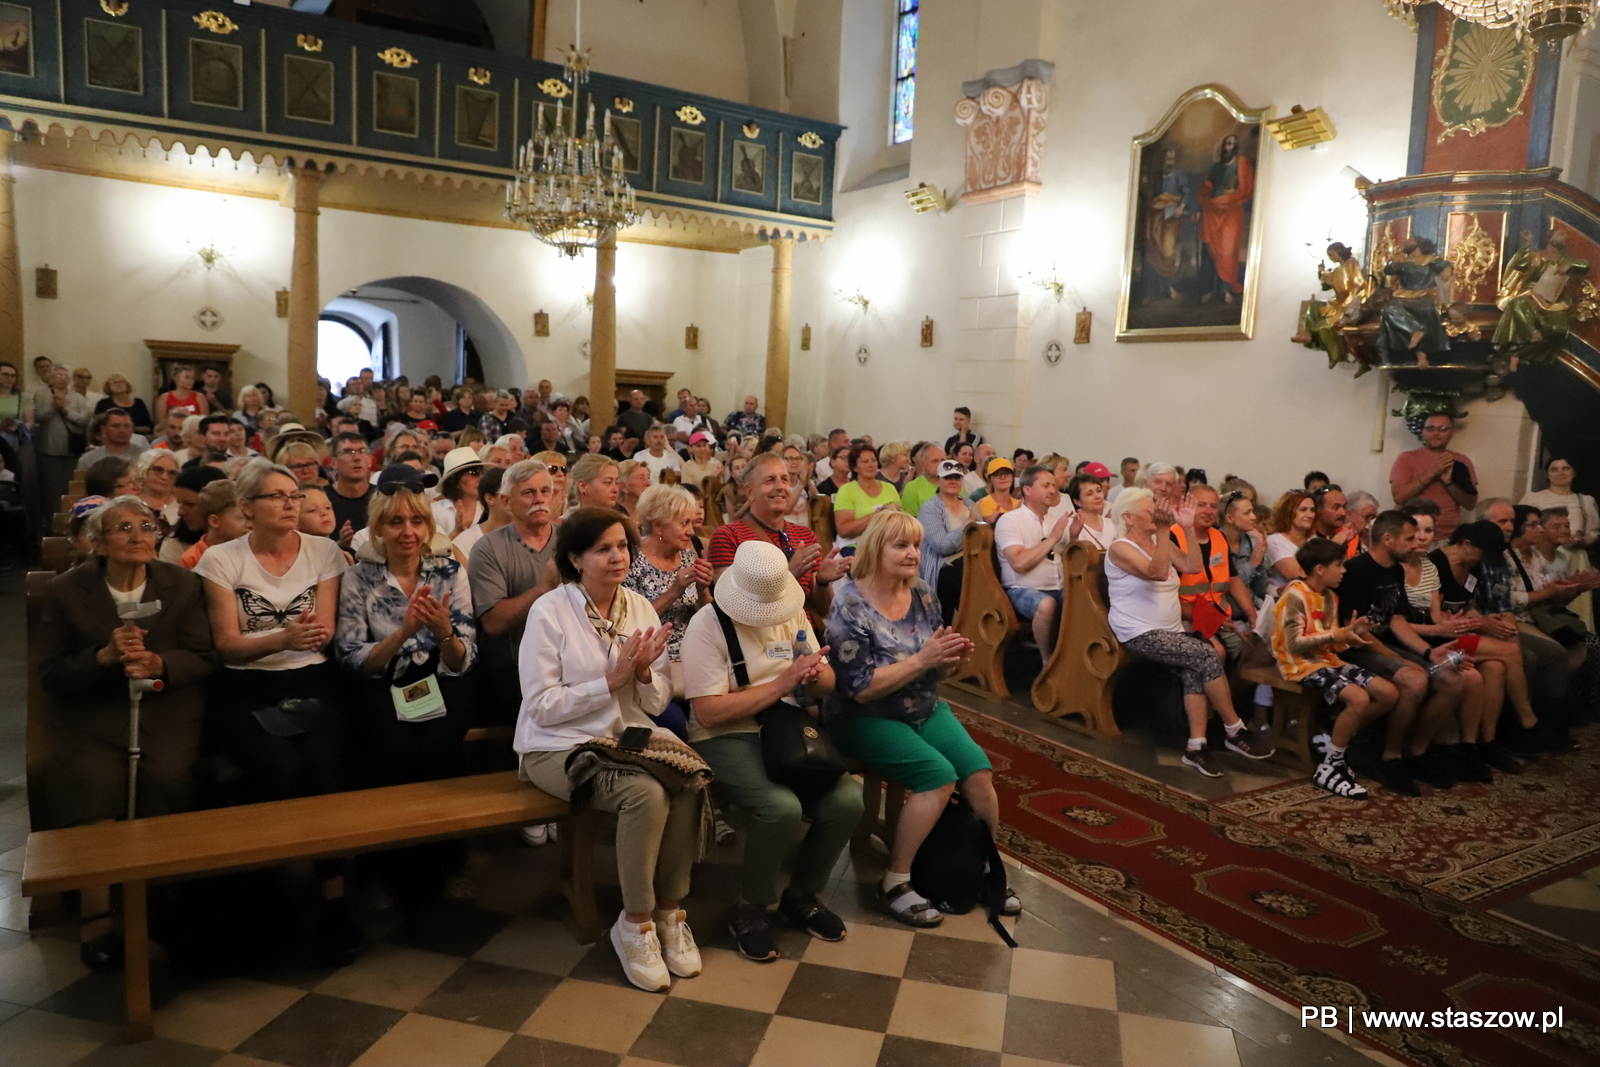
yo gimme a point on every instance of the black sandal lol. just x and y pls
(924, 915)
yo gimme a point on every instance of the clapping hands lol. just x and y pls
(945, 648)
(638, 652)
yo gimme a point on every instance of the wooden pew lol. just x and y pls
(1293, 718)
(1079, 678)
(58, 523)
(49, 909)
(985, 616)
(711, 490)
(133, 854)
(58, 554)
(68, 500)
(821, 509)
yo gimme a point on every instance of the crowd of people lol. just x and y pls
(344, 592)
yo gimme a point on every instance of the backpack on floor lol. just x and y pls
(959, 868)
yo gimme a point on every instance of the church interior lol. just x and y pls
(1192, 407)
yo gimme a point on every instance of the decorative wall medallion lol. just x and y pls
(750, 130)
(583, 350)
(114, 8)
(623, 104)
(308, 42)
(541, 324)
(216, 22)
(44, 283)
(862, 355)
(282, 302)
(555, 87)
(805, 338)
(810, 140)
(691, 114)
(478, 76)
(1052, 353)
(1481, 78)
(398, 58)
(208, 318)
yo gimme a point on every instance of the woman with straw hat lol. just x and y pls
(765, 611)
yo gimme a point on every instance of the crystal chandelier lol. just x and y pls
(570, 190)
(1543, 20)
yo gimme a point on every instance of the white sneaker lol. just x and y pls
(534, 836)
(640, 954)
(677, 943)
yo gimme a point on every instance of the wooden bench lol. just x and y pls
(985, 616)
(1290, 704)
(821, 519)
(1077, 681)
(881, 802)
(58, 554)
(135, 853)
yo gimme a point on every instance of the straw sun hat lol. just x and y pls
(758, 590)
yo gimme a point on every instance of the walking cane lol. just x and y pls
(137, 688)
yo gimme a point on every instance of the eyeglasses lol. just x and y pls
(281, 499)
(354, 452)
(127, 529)
(304, 464)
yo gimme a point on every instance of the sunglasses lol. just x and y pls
(1325, 490)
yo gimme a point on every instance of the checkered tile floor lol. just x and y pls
(503, 983)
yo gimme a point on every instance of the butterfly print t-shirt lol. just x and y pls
(265, 602)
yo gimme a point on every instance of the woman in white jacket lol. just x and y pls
(593, 664)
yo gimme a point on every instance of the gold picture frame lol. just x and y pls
(1186, 276)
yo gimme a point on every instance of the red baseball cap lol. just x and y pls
(428, 424)
(1097, 470)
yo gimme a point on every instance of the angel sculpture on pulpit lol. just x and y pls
(1351, 288)
(1536, 294)
(1410, 325)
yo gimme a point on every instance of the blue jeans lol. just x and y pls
(1027, 599)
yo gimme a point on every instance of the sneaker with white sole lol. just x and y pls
(1320, 745)
(1242, 744)
(1200, 760)
(678, 949)
(534, 836)
(640, 952)
(1335, 777)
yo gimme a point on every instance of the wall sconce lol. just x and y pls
(1050, 282)
(209, 255)
(588, 299)
(854, 296)
(925, 198)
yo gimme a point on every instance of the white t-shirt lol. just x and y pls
(1138, 605)
(467, 538)
(265, 602)
(1101, 537)
(1021, 528)
(1279, 547)
(707, 670)
(668, 460)
(132, 596)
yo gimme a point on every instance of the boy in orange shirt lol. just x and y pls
(1306, 640)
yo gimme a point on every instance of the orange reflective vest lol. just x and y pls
(1211, 581)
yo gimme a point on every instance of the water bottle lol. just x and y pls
(802, 647)
(1454, 659)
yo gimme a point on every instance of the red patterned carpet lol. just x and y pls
(1313, 927)
(1480, 844)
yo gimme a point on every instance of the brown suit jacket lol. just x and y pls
(77, 621)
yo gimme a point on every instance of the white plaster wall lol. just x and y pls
(1266, 409)
(425, 334)
(696, 45)
(128, 272)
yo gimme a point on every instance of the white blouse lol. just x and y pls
(563, 663)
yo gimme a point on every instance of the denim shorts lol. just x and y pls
(1026, 599)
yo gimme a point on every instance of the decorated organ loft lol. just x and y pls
(1478, 277)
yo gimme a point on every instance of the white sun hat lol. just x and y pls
(758, 590)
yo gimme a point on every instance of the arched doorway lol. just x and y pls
(417, 327)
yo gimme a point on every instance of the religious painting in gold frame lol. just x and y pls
(1191, 262)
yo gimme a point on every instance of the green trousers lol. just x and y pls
(775, 815)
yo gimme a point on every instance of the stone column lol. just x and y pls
(777, 398)
(603, 334)
(305, 302)
(11, 338)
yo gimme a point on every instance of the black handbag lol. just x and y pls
(795, 750)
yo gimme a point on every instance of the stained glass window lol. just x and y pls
(905, 69)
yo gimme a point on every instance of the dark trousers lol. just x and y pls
(949, 589)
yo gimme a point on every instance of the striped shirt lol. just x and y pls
(1421, 594)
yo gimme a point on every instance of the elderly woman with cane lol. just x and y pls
(110, 629)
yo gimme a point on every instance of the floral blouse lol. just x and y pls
(650, 582)
(862, 640)
(372, 606)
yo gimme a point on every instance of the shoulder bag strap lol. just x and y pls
(735, 650)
